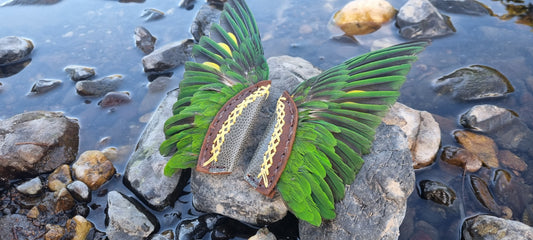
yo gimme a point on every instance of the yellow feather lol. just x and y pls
(226, 47)
(233, 38)
(213, 65)
(355, 91)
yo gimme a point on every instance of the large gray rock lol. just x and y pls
(127, 220)
(99, 87)
(37, 142)
(14, 49)
(494, 228)
(420, 19)
(168, 56)
(205, 17)
(144, 172)
(375, 204)
(470, 7)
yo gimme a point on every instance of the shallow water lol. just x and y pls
(99, 33)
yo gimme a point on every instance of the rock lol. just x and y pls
(126, 218)
(461, 157)
(59, 178)
(423, 132)
(489, 227)
(144, 40)
(187, 4)
(510, 160)
(361, 17)
(420, 19)
(77, 73)
(45, 85)
(80, 227)
(165, 235)
(510, 190)
(31, 187)
(12, 69)
(503, 125)
(473, 83)
(470, 7)
(23, 226)
(375, 204)
(54, 232)
(64, 201)
(159, 84)
(114, 99)
(80, 191)
(151, 14)
(29, 2)
(168, 56)
(14, 49)
(263, 234)
(99, 87)
(144, 172)
(483, 195)
(37, 142)
(437, 192)
(93, 168)
(481, 145)
(206, 16)
(33, 213)
(196, 228)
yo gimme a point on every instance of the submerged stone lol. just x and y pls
(436, 192)
(99, 87)
(168, 56)
(483, 146)
(14, 49)
(462, 158)
(470, 7)
(114, 99)
(45, 85)
(419, 19)
(150, 14)
(484, 195)
(362, 17)
(77, 73)
(490, 227)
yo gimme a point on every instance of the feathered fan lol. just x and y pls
(314, 143)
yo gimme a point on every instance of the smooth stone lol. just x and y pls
(144, 40)
(473, 83)
(14, 49)
(483, 146)
(144, 173)
(33, 213)
(112, 99)
(437, 192)
(263, 234)
(419, 19)
(80, 191)
(54, 232)
(126, 218)
(29, 2)
(37, 142)
(100, 86)
(490, 227)
(423, 132)
(187, 4)
(470, 7)
(80, 227)
(201, 25)
(165, 235)
(461, 157)
(59, 178)
(45, 85)
(159, 84)
(77, 72)
(151, 14)
(12, 69)
(196, 228)
(361, 17)
(375, 204)
(484, 195)
(64, 201)
(31, 187)
(167, 57)
(510, 160)
(93, 168)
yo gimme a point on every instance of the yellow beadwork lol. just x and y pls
(232, 118)
(274, 141)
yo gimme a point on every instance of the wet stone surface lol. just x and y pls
(419, 19)
(45, 85)
(144, 40)
(470, 7)
(100, 86)
(77, 72)
(201, 26)
(168, 56)
(436, 192)
(114, 99)
(14, 49)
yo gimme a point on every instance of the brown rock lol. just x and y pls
(54, 232)
(64, 201)
(33, 213)
(462, 158)
(362, 17)
(59, 178)
(93, 168)
(79, 226)
(510, 160)
(482, 146)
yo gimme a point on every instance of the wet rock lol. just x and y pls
(79, 226)
(462, 158)
(503, 125)
(437, 192)
(64, 201)
(37, 142)
(425, 231)
(31, 187)
(151, 14)
(481, 145)
(45, 85)
(483, 195)
(361, 17)
(196, 228)
(159, 84)
(12, 69)
(510, 191)
(144, 40)
(473, 83)
(423, 132)
(165, 235)
(510, 160)
(206, 16)
(168, 56)
(77, 73)
(470, 7)
(33, 213)
(24, 228)
(99, 87)
(59, 178)
(490, 227)
(375, 204)
(187, 4)
(54, 232)
(263, 234)
(144, 172)
(93, 168)
(126, 219)
(114, 99)
(420, 19)
(29, 2)
(14, 49)
(80, 191)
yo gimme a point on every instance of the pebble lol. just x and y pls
(80, 191)
(45, 85)
(31, 187)
(93, 168)
(64, 201)
(483, 146)
(510, 160)
(462, 158)
(59, 178)
(144, 40)
(81, 227)
(361, 17)
(99, 87)
(150, 14)
(14, 49)
(437, 192)
(114, 99)
(77, 72)
(54, 232)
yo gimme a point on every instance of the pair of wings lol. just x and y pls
(337, 111)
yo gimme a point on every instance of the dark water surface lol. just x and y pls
(99, 33)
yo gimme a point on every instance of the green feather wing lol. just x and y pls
(339, 111)
(226, 62)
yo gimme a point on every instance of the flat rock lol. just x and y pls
(375, 204)
(167, 57)
(470, 7)
(31, 187)
(423, 132)
(114, 99)
(420, 19)
(100, 86)
(481, 145)
(37, 142)
(77, 72)
(127, 220)
(45, 85)
(494, 228)
(14, 49)
(144, 172)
